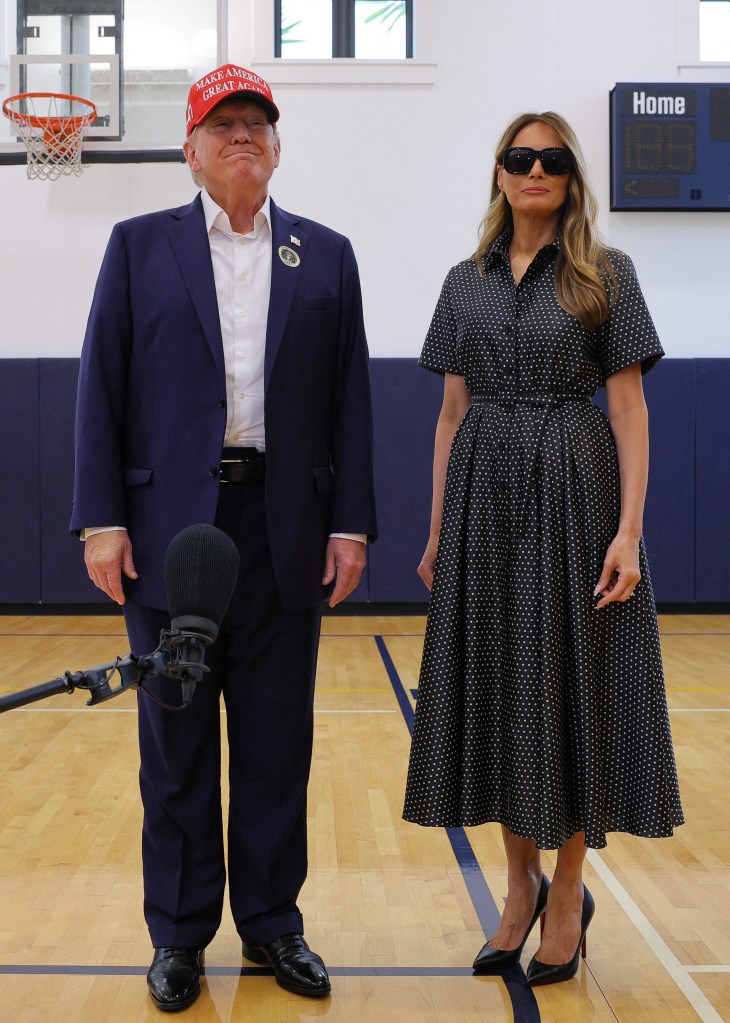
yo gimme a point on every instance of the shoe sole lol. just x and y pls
(176, 1006)
(307, 992)
(556, 978)
(489, 969)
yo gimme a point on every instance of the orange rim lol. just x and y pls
(55, 124)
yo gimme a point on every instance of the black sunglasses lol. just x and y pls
(520, 160)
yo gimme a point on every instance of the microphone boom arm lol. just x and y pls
(132, 671)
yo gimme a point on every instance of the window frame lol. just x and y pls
(688, 19)
(343, 30)
(255, 19)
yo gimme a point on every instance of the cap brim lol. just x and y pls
(247, 97)
(268, 106)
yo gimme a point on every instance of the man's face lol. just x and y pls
(234, 148)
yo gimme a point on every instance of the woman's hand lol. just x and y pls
(428, 562)
(620, 571)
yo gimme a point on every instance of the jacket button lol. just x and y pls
(222, 402)
(214, 470)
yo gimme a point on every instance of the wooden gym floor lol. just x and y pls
(398, 912)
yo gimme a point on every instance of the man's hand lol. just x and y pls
(344, 561)
(107, 555)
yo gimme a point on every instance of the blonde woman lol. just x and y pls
(541, 702)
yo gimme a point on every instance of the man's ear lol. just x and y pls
(189, 153)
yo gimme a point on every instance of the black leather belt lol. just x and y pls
(241, 465)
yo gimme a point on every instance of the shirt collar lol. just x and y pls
(216, 216)
(500, 246)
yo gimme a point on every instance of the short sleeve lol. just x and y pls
(439, 352)
(628, 334)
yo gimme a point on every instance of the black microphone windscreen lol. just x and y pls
(201, 567)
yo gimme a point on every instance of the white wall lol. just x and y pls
(403, 169)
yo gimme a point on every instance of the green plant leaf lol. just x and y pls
(392, 12)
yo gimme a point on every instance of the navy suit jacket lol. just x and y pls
(151, 407)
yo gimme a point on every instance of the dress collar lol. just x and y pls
(499, 251)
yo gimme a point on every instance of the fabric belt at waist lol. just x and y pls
(536, 399)
(241, 465)
(543, 404)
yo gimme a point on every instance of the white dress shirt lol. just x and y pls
(242, 273)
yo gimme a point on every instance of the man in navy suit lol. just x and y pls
(224, 379)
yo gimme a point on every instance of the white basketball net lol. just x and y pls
(52, 128)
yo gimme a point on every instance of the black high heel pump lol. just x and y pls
(500, 958)
(546, 973)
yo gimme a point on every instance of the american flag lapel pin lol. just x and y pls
(294, 240)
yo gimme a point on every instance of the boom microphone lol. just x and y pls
(201, 568)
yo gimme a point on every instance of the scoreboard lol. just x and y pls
(670, 146)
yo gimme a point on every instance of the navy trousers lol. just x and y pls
(263, 663)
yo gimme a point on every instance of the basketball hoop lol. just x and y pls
(52, 125)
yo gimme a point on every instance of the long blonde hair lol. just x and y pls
(585, 282)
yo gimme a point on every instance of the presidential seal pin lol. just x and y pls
(288, 256)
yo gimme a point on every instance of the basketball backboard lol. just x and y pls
(134, 59)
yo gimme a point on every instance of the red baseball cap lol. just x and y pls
(226, 81)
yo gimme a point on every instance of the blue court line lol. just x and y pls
(474, 878)
(524, 1004)
(235, 971)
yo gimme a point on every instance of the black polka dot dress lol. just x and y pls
(535, 709)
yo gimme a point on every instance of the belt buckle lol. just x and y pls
(238, 470)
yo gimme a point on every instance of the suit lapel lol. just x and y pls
(284, 281)
(192, 250)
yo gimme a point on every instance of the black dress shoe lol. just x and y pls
(491, 958)
(174, 978)
(295, 966)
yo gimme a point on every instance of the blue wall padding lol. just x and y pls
(19, 470)
(712, 535)
(669, 519)
(406, 403)
(687, 521)
(63, 576)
